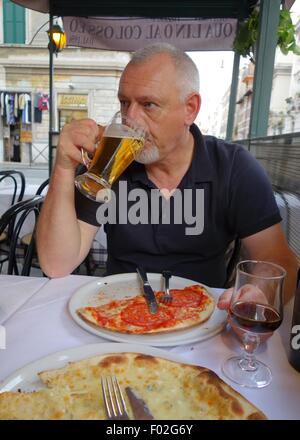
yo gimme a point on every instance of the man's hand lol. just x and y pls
(224, 300)
(74, 136)
(248, 292)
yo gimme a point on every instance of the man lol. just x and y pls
(159, 88)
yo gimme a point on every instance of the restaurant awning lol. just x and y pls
(147, 8)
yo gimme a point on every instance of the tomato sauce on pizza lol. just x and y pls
(190, 306)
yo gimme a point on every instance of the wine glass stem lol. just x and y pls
(248, 362)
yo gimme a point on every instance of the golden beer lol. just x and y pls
(113, 155)
(122, 140)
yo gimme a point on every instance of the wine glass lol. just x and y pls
(122, 140)
(255, 312)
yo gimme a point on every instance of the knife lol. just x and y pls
(138, 406)
(148, 291)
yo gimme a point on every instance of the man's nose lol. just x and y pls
(134, 112)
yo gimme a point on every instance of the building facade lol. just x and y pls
(243, 104)
(85, 84)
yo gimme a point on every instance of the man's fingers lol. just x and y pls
(100, 131)
(247, 292)
(76, 156)
(78, 134)
(82, 128)
(94, 130)
(224, 299)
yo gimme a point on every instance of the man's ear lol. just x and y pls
(192, 107)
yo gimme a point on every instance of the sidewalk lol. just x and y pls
(35, 174)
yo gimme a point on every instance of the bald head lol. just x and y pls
(186, 71)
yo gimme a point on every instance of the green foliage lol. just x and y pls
(286, 34)
(246, 37)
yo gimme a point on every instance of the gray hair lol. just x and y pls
(187, 72)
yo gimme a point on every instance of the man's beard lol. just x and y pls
(148, 155)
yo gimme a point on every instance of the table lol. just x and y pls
(43, 326)
(15, 292)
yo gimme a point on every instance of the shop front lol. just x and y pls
(70, 107)
(19, 112)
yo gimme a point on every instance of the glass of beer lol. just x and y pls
(120, 144)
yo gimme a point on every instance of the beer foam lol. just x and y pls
(123, 131)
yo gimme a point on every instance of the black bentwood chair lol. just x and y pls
(233, 255)
(42, 187)
(13, 219)
(17, 179)
(25, 240)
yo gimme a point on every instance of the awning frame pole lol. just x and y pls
(51, 75)
(264, 67)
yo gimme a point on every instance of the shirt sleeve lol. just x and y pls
(86, 209)
(252, 204)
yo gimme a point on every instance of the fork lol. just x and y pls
(166, 298)
(114, 402)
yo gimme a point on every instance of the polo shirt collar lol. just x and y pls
(200, 170)
(137, 173)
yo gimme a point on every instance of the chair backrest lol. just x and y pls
(42, 187)
(13, 219)
(17, 178)
(233, 255)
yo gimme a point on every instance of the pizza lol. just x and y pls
(171, 391)
(190, 306)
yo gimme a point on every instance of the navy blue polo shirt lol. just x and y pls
(237, 201)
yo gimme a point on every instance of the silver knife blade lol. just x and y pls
(138, 406)
(148, 291)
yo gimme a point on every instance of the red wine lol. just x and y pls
(257, 318)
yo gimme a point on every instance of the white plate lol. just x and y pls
(27, 379)
(119, 286)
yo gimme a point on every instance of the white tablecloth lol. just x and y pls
(43, 326)
(16, 291)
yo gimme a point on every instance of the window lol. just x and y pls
(14, 23)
